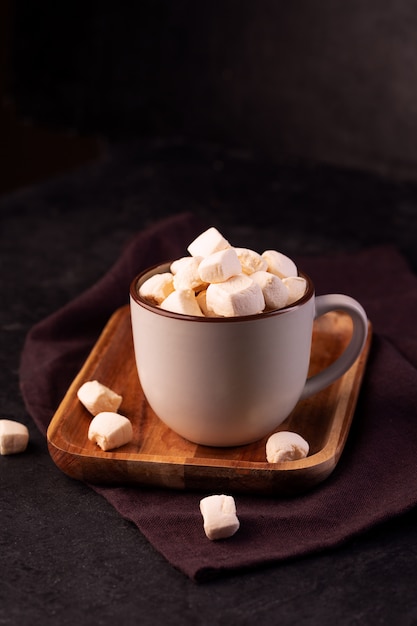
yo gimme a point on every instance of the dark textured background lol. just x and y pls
(330, 81)
(289, 125)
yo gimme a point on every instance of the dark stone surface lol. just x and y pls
(65, 555)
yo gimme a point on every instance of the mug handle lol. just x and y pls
(339, 302)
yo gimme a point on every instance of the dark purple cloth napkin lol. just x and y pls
(376, 478)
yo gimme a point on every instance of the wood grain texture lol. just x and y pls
(157, 456)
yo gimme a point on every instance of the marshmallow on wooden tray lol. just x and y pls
(219, 516)
(239, 295)
(251, 261)
(296, 286)
(208, 242)
(182, 302)
(273, 288)
(279, 264)
(110, 430)
(157, 287)
(96, 397)
(286, 446)
(14, 437)
(219, 266)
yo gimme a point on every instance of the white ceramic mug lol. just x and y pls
(231, 381)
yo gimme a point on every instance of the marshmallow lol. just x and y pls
(208, 242)
(296, 286)
(286, 446)
(182, 302)
(219, 516)
(202, 303)
(110, 430)
(219, 266)
(179, 264)
(279, 264)
(239, 295)
(14, 437)
(251, 261)
(97, 397)
(274, 291)
(188, 277)
(157, 288)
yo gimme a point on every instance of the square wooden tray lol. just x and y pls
(157, 456)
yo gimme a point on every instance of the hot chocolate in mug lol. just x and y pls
(228, 381)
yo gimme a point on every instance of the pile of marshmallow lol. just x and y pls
(219, 280)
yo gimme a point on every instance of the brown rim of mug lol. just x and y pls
(134, 293)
